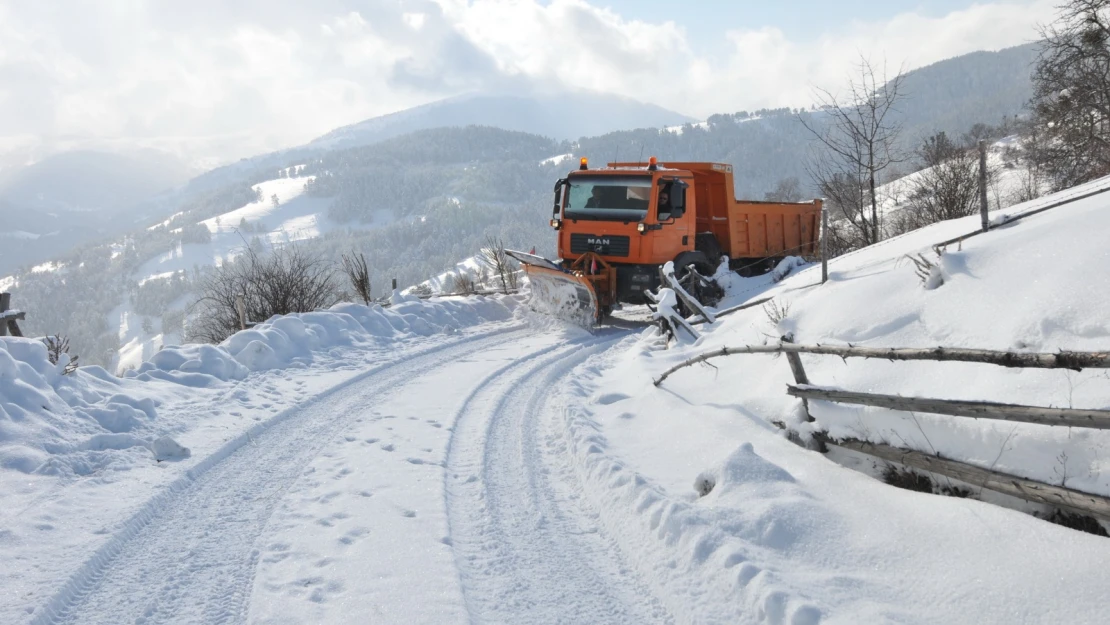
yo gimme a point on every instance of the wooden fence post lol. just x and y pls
(394, 284)
(5, 303)
(824, 244)
(799, 372)
(983, 184)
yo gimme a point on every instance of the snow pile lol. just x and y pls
(54, 423)
(293, 340)
(77, 424)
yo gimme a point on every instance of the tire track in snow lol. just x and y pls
(527, 548)
(188, 555)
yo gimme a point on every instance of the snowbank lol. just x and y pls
(45, 415)
(81, 423)
(291, 340)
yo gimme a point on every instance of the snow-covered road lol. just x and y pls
(448, 459)
(527, 545)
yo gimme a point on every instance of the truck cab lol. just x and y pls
(633, 217)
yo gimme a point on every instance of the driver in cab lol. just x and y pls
(664, 203)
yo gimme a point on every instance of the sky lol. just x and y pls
(236, 78)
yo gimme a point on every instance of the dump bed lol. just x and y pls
(748, 228)
(771, 229)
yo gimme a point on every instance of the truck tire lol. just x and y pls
(697, 259)
(706, 243)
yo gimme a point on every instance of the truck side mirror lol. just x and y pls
(558, 197)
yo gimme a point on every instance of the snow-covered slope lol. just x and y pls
(1006, 186)
(785, 534)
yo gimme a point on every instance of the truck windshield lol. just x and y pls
(608, 198)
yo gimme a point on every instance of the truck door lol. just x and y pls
(673, 213)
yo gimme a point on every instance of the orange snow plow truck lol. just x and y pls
(619, 225)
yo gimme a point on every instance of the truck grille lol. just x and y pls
(606, 245)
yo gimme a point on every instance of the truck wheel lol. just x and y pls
(697, 260)
(707, 244)
(706, 291)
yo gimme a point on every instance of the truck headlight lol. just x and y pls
(641, 228)
(555, 223)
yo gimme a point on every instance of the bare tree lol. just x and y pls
(358, 274)
(493, 256)
(57, 349)
(945, 188)
(1071, 93)
(787, 190)
(463, 283)
(859, 139)
(280, 282)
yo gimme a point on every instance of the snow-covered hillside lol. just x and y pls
(1008, 181)
(462, 460)
(787, 535)
(282, 215)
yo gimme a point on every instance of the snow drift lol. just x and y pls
(88, 420)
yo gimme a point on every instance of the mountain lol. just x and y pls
(418, 202)
(74, 197)
(557, 116)
(954, 94)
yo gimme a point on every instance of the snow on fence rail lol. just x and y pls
(8, 318)
(1029, 490)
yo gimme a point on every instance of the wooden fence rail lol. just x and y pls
(1076, 361)
(1022, 488)
(1070, 417)
(1029, 490)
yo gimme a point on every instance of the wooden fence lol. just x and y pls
(9, 318)
(1029, 490)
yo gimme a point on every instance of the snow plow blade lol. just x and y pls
(557, 292)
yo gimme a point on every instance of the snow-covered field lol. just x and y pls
(460, 460)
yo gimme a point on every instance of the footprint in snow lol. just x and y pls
(388, 447)
(352, 535)
(610, 398)
(408, 513)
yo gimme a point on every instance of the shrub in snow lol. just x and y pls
(704, 484)
(57, 349)
(785, 266)
(930, 273)
(286, 280)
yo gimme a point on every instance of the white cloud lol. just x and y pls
(261, 75)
